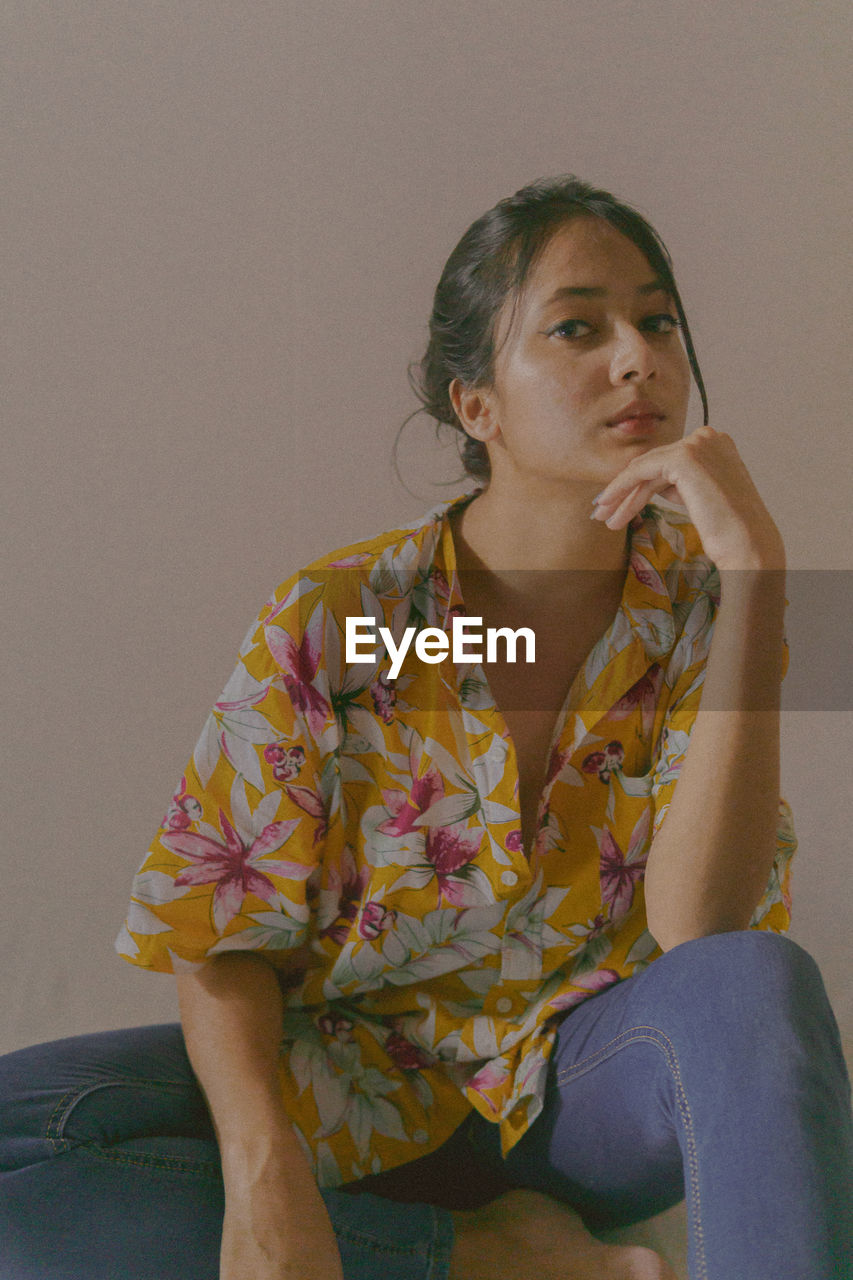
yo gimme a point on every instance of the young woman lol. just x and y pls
(477, 956)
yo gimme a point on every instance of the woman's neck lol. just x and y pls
(540, 554)
(505, 528)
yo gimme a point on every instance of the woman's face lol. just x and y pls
(592, 333)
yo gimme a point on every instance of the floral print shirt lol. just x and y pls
(364, 834)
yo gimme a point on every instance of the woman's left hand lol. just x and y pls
(704, 473)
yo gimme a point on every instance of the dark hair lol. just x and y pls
(493, 259)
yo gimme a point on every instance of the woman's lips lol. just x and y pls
(642, 425)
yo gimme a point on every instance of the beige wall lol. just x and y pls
(227, 222)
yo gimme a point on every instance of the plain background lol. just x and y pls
(226, 223)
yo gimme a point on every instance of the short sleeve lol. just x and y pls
(230, 865)
(774, 909)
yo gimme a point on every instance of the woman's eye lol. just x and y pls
(569, 328)
(662, 323)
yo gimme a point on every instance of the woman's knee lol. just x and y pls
(749, 983)
(747, 960)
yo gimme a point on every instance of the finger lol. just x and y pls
(630, 505)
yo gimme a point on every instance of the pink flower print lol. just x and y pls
(619, 873)
(312, 802)
(349, 883)
(233, 866)
(333, 1025)
(513, 842)
(605, 762)
(590, 984)
(404, 1054)
(374, 919)
(183, 810)
(644, 694)
(299, 667)
(646, 573)
(492, 1076)
(450, 849)
(425, 791)
(286, 762)
(384, 698)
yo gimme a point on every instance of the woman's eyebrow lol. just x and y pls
(597, 291)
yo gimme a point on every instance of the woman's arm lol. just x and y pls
(709, 863)
(276, 1226)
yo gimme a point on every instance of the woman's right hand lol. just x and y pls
(264, 1239)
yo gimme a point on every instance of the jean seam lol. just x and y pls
(172, 1164)
(365, 1240)
(652, 1035)
(58, 1118)
(443, 1237)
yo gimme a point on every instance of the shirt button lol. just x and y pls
(509, 877)
(503, 1005)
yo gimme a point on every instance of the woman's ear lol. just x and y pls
(476, 410)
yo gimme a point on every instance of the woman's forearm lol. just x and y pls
(275, 1218)
(709, 863)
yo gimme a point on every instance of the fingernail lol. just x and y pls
(596, 498)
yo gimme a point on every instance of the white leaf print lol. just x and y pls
(449, 810)
(283, 937)
(265, 812)
(480, 981)
(353, 770)
(497, 851)
(422, 1088)
(125, 945)
(674, 537)
(429, 966)
(387, 1120)
(359, 1124)
(490, 767)
(328, 1172)
(206, 753)
(451, 768)
(141, 920)
(249, 725)
(656, 630)
(368, 727)
(367, 964)
(241, 755)
(414, 879)
(472, 725)
(241, 815)
(642, 948)
(484, 1037)
(614, 640)
(641, 785)
(156, 887)
(394, 950)
(411, 933)
(331, 1094)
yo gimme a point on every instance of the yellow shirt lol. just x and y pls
(364, 833)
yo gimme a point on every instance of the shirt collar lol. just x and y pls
(643, 629)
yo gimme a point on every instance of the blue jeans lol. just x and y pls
(716, 1072)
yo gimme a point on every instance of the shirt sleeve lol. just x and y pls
(231, 866)
(774, 909)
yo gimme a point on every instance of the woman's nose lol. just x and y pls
(632, 356)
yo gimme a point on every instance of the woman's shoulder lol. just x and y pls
(349, 577)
